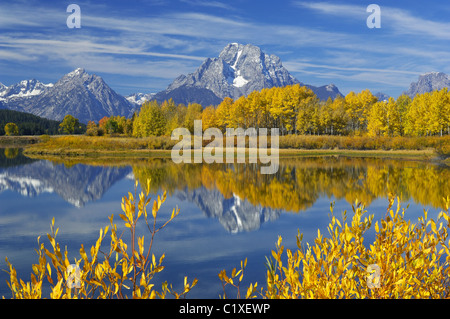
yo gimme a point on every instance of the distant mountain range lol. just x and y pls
(85, 96)
(23, 89)
(238, 70)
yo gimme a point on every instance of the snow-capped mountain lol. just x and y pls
(3, 88)
(139, 98)
(428, 82)
(239, 70)
(23, 89)
(86, 97)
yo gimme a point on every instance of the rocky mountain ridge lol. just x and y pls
(428, 82)
(237, 71)
(85, 96)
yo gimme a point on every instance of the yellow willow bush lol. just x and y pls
(406, 260)
(118, 272)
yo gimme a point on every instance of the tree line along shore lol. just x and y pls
(357, 121)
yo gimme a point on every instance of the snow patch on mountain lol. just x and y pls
(139, 98)
(23, 89)
(239, 81)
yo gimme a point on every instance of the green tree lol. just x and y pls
(112, 126)
(11, 129)
(69, 125)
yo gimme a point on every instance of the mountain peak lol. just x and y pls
(77, 72)
(85, 96)
(238, 70)
(433, 73)
(428, 82)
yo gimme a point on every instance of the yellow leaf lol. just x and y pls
(433, 226)
(143, 281)
(49, 269)
(155, 209)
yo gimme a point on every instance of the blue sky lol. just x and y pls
(141, 46)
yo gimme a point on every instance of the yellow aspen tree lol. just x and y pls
(325, 116)
(403, 105)
(340, 117)
(366, 100)
(417, 117)
(223, 112)
(353, 110)
(393, 118)
(209, 118)
(436, 112)
(377, 121)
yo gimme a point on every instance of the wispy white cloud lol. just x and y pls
(333, 8)
(400, 21)
(298, 66)
(394, 78)
(206, 3)
(164, 45)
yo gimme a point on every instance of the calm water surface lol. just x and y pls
(228, 212)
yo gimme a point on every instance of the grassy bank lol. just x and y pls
(290, 145)
(18, 141)
(80, 145)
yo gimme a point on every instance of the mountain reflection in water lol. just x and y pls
(236, 194)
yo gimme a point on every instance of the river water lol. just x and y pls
(227, 212)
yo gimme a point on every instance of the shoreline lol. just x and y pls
(428, 154)
(80, 146)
